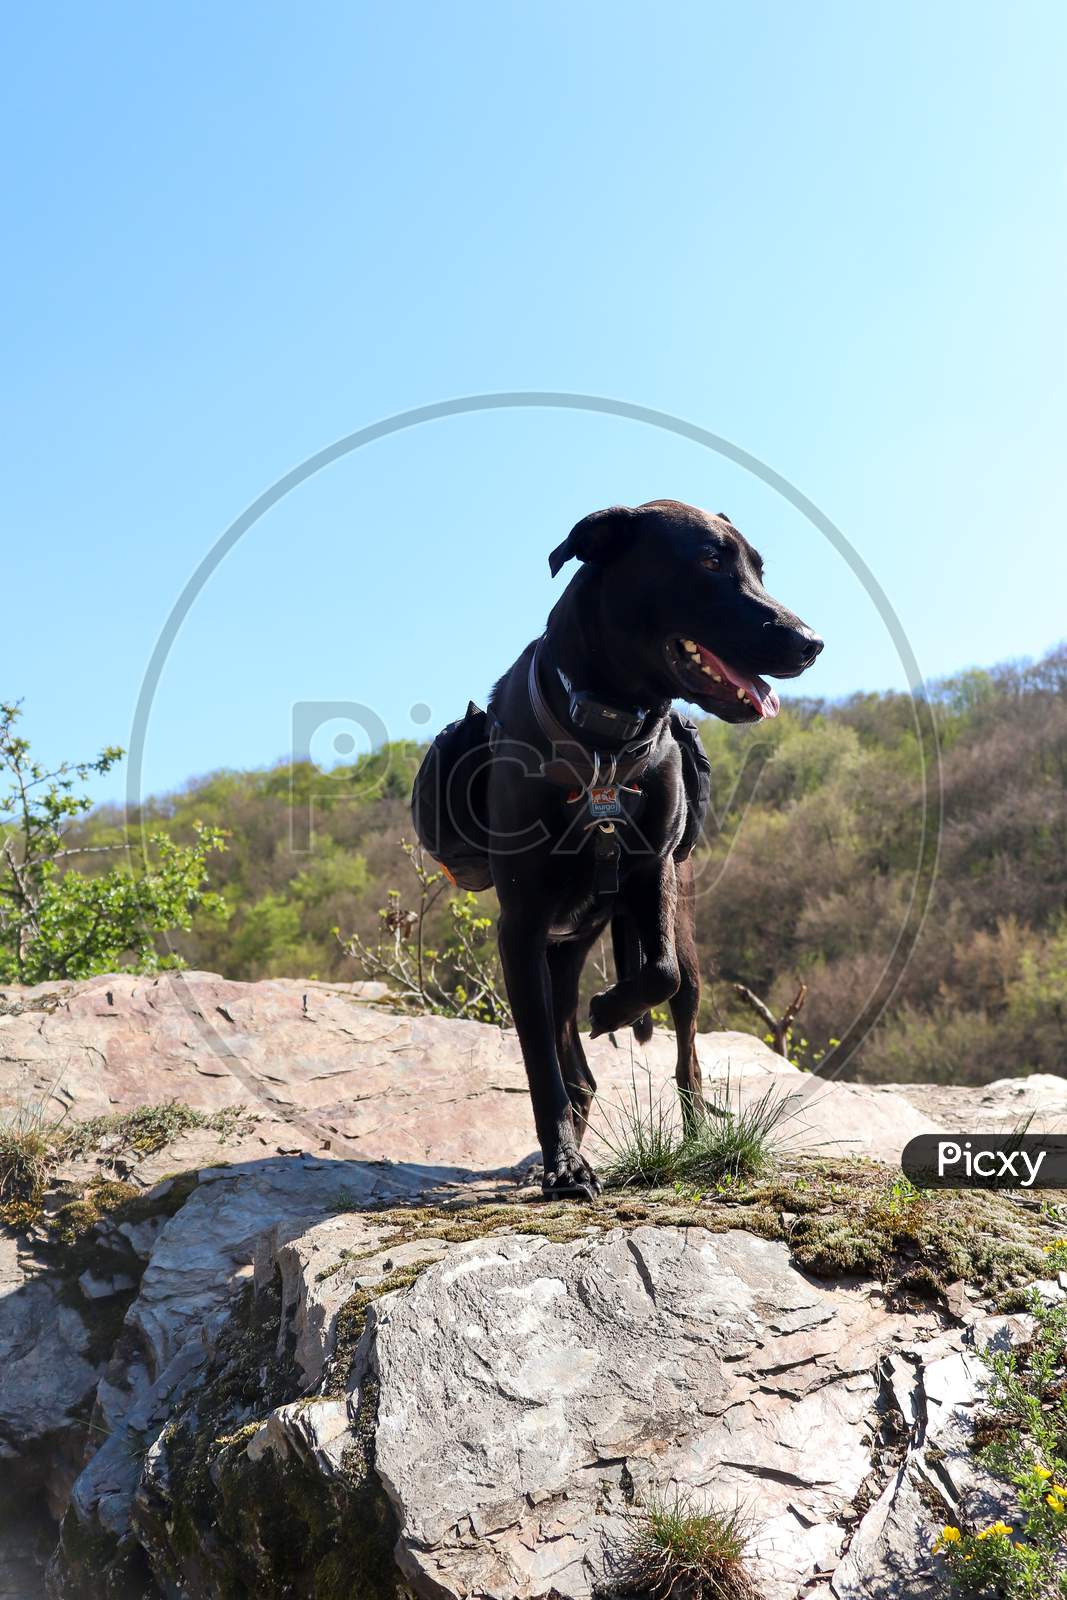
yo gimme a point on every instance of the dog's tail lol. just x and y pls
(629, 959)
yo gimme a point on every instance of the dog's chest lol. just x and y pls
(584, 920)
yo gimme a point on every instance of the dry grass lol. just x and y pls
(677, 1550)
(24, 1155)
(31, 1147)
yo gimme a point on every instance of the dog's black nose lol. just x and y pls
(797, 641)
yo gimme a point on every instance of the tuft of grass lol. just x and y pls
(676, 1550)
(24, 1154)
(30, 1147)
(642, 1136)
(730, 1142)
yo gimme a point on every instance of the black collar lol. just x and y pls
(575, 765)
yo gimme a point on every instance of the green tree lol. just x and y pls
(56, 922)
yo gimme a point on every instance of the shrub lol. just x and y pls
(59, 923)
(460, 976)
(1022, 1440)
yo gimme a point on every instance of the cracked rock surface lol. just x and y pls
(530, 1392)
(501, 1410)
(325, 1070)
(524, 1395)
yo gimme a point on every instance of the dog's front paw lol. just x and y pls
(570, 1178)
(601, 1014)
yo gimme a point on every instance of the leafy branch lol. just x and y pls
(59, 923)
(460, 977)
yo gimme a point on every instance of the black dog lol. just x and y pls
(587, 805)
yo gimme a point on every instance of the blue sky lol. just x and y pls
(832, 234)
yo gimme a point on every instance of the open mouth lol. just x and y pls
(712, 682)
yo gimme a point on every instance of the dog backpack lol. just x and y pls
(450, 800)
(696, 777)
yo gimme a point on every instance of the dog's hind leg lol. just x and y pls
(686, 1002)
(565, 962)
(626, 948)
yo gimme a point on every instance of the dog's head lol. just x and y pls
(682, 592)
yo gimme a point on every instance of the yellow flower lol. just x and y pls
(950, 1535)
(1055, 1502)
(1057, 1488)
(995, 1530)
(1042, 1473)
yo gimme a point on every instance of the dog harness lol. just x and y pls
(449, 800)
(599, 776)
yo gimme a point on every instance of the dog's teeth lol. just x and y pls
(715, 675)
(690, 646)
(707, 672)
(740, 694)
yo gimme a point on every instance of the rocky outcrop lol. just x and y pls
(328, 1073)
(483, 1416)
(335, 1337)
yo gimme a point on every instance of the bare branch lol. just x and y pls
(780, 1027)
(756, 1003)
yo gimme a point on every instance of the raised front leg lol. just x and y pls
(649, 894)
(524, 956)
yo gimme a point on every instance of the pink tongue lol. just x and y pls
(758, 693)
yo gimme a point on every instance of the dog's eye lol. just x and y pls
(710, 561)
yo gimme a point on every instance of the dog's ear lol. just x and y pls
(600, 536)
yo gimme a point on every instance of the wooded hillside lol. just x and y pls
(806, 876)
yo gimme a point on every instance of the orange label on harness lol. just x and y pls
(605, 802)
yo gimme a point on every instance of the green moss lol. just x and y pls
(20, 1215)
(273, 1527)
(294, 1533)
(839, 1219)
(28, 1155)
(352, 1320)
(874, 1226)
(93, 1563)
(73, 1246)
(69, 1225)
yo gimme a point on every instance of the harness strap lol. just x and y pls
(582, 770)
(605, 861)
